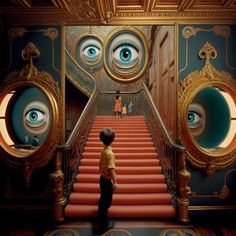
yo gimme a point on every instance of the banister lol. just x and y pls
(169, 139)
(72, 136)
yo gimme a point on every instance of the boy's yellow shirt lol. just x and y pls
(107, 162)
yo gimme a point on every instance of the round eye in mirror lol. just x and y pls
(209, 118)
(36, 117)
(27, 118)
(88, 52)
(125, 54)
(29, 121)
(196, 119)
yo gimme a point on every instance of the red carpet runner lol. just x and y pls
(142, 191)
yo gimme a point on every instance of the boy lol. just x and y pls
(107, 177)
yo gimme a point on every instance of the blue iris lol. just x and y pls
(35, 117)
(125, 54)
(91, 52)
(194, 118)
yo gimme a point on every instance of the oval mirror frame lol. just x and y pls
(208, 77)
(48, 87)
(120, 73)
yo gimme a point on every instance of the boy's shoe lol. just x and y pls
(110, 224)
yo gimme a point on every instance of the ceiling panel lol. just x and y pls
(116, 11)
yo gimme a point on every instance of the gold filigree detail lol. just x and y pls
(189, 31)
(29, 53)
(224, 192)
(222, 30)
(208, 52)
(52, 33)
(210, 168)
(16, 32)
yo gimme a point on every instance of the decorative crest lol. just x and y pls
(29, 53)
(208, 52)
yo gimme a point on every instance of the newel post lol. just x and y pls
(183, 190)
(57, 185)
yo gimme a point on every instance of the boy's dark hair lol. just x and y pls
(107, 136)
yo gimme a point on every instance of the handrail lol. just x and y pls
(172, 159)
(72, 136)
(75, 62)
(166, 133)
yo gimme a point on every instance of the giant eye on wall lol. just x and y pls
(30, 115)
(29, 119)
(125, 54)
(196, 119)
(88, 52)
(211, 117)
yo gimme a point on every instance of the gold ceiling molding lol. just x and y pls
(208, 77)
(118, 12)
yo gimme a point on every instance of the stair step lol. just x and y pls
(144, 135)
(123, 132)
(128, 126)
(120, 144)
(123, 170)
(122, 198)
(123, 211)
(123, 155)
(142, 190)
(122, 162)
(150, 178)
(120, 120)
(122, 149)
(122, 188)
(122, 139)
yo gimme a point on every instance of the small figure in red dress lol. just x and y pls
(118, 104)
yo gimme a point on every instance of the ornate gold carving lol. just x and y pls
(184, 191)
(210, 160)
(59, 200)
(189, 31)
(51, 33)
(208, 52)
(95, 12)
(222, 30)
(16, 32)
(224, 192)
(29, 53)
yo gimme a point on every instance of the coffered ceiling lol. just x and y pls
(81, 12)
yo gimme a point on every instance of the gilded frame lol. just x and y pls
(120, 76)
(188, 88)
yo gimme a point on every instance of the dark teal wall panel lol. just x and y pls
(46, 38)
(224, 43)
(209, 190)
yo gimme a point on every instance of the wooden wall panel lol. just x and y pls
(162, 83)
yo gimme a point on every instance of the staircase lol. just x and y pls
(142, 191)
